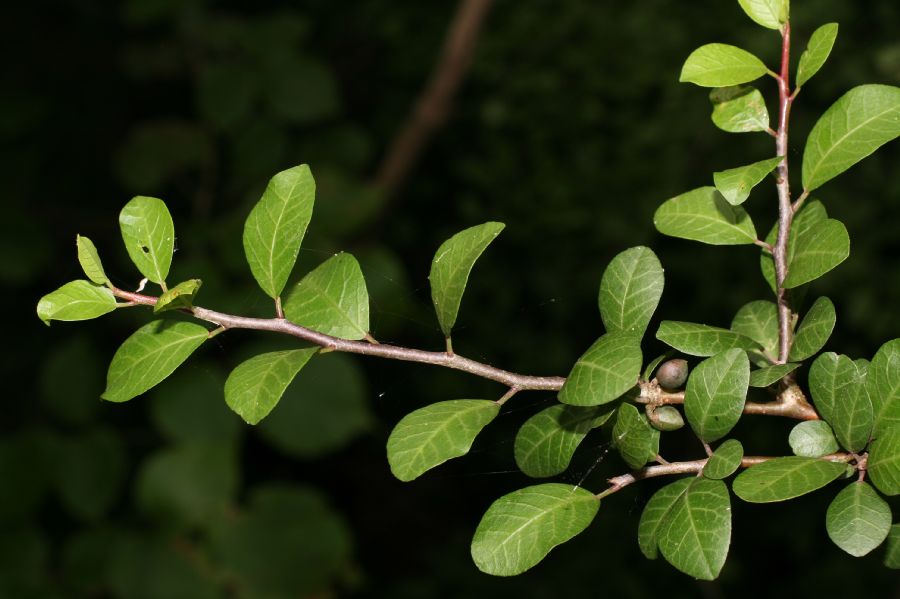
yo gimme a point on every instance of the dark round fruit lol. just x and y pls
(672, 374)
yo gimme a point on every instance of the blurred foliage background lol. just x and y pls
(570, 127)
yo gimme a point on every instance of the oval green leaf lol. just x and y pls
(90, 260)
(704, 215)
(812, 439)
(817, 51)
(763, 377)
(149, 355)
(860, 122)
(655, 514)
(149, 236)
(883, 385)
(547, 441)
(332, 299)
(76, 300)
(884, 461)
(833, 379)
(720, 65)
(451, 266)
(758, 321)
(609, 368)
(700, 339)
(768, 13)
(636, 440)
(814, 330)
(781, 479)
(816, 253)
(892, 555)
(853, 416)
(739, 109)
(256, 385)
(521, 528)
(858, 520)
(434, 434)
(716, 392)
(276, 226)
(811, 215)
(735, 184)
(178, 297)
(630, 290)
(725, 460)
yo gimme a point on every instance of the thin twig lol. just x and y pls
(790, 402)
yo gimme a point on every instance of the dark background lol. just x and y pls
(570, 127)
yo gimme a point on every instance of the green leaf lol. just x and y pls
(90, 260)
(811, 215)
(739, 109)
(768, 13)
(451, 266)
(768, 375)
(546, 442)
(833, 379)
(860, 122)
(332, 299)
(853, 416)
(812, 439)
(256, 385)
(695, 534)
(780, 479)
(178, 297)
(884, 461)
(151, 354)
(814, 330)
(716, 392)
(636, 440)
(725, 460)
(720, 65)
(892, 556)
(434, 434)
(76, 300)
(651, 366)
(704, 215)
(883, 385)
(825, 247)
(700, 339)
(609, 368)
(758, 321)
(655, 514)
(817, 50)
(735, 184)
(276, 226)
(858, 520)
(630, 290)
(149, 236)
(521, 528)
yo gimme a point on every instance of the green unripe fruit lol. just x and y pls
(665, 418)
(672, 374)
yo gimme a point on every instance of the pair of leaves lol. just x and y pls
(704, 215)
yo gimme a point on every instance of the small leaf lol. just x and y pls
(883, 385)
(735, 184)
(739, 109)
(76, 300)
(149, 236)
(725, 460)
(546, 442)
(768, 13)
(332, 299)
(884, 461)
(817, 50)
(434, 434)
(636, 440)
(276, 226)
(696, 532)
(720, 65)
(780, 479)
(152, 353)
(609, 368)
(860, 122)
(521, 528)
(832, 378)
(451, 266)
(768, 375)
(892, 556)
(858, 519)
(812, 439)
(814, 330)
(704, 215)
(90, 260)
(178, 297)
(759, 321)
(655, 514)
(630, 290)
(716, 392)
(824, 248)
(700, 339)
(256, 385)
